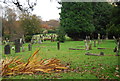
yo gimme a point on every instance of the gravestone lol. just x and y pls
(94, 43)
(29, 47)
(17, 45)
(21, 42)
(98, 38)
(103, 37)
(118, 47)
(23, 49)
(39, 41)
(51, 38)
(58, 45)
(88, 37)
(86, 46)
(7, 49)
(101, 53)
(23, 37)
(32, 41)
(90, 46)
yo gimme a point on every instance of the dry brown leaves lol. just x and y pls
(15, 66)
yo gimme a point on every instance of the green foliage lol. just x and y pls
(51, 31)
(101, 17)
(76, 19)
(79, 19)
(30, 24)
(114, 26)
(28, 38)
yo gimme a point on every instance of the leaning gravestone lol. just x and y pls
(118, 47)
(29, 47)
(17, 45)
(7, 49)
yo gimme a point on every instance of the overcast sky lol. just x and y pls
(47, 9)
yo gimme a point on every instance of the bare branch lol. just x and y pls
(20, 6)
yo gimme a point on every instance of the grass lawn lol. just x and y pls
(83, 66)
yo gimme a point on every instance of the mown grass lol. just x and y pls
(83, 66)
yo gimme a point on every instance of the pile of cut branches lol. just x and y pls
(33, 65)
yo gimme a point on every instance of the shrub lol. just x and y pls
(28, 38)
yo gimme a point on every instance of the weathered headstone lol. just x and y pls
(101, 53)
(58, 45)
(90, 46)
(23, 49)
(7, 49)
(21, 42)
(39, 41)
(52, 38)
(86, 46)
(88, 37)
(17, 45)
(103, 37)
(94, 43)
(118, 48)
(23, 38)
(98, 38)
(106, 37)
(29, 47)
(32, 41)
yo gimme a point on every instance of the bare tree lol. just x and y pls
(27, 6)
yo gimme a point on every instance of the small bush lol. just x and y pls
(28, 38)
(51, 31)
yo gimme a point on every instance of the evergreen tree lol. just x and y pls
(76, 19)
(101, 17)
(114, 26)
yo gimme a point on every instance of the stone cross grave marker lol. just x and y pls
(7, 49)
